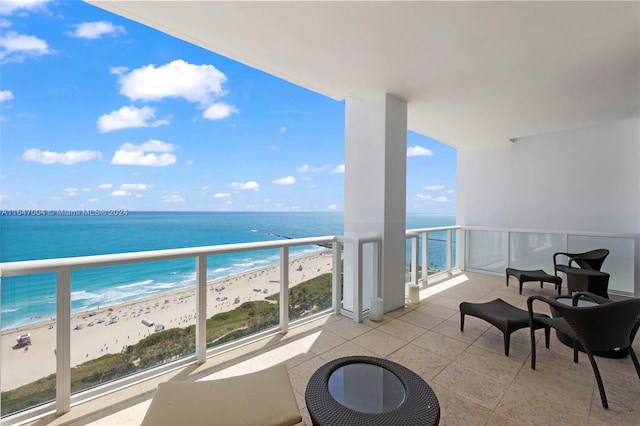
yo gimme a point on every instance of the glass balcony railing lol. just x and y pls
(493, 250)
(431, 252)
(83, 341)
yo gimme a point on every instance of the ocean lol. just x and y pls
(31, 298)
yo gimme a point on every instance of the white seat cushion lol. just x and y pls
(261, 398)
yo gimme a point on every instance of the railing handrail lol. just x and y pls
(434, 229)
(554, 231)
(25, 267)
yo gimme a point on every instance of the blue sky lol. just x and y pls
(98, 112)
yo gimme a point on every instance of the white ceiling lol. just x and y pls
(473, 73)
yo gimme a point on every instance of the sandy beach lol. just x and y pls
(110, 329)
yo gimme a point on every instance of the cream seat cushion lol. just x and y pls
(261, 398)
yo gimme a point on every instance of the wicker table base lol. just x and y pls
(420, 405)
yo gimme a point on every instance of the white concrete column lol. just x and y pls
(375, 186)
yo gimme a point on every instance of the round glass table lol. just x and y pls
(371, 391)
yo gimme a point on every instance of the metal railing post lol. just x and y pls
(284, 289)
(425, 258)
(414, 260)
(357, 282)
(448, 250)
(63, 341)
(336, 278)
(201, 309)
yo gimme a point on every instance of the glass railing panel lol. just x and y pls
(129, 318)
(486, 250)
(533, 251)
(243, 294)
(454, 248)
(28, 368)
(620, 263)
(310, 280)
(437, 255)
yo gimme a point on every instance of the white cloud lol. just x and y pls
(288, 180)
(173, 198)
(71, 192)
(219, 111)
(16, 47)
(128, 117)
(338, 169)
(105, 186)
(6, 95)
(177, 79)
(418, 151)
(120, 193)
(118, 70)
(69, 157)
(283, 130)
(205, 188)
(94, 30)
(451, 191)
(429, 198)
(140, 155)
(332, 207)
(135, 186)
(222, 195)
(93, 200)
(306, 168)
(7, 7)
(248, 186)
(150, 145)
(433, 187)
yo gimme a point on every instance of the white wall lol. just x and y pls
(584, 179)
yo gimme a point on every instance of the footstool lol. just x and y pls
(507, 318)
(536, 275)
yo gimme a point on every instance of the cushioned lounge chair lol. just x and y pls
(261, 398)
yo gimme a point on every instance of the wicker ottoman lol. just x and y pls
(537, 275)
(507, 318)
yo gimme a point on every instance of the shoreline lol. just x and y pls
(109, 329)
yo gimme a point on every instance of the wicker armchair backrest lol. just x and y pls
(591, 259)
(603, 327)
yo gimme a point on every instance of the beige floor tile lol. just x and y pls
(379, 343)
(347, 328)
(402, 330)
(471, 384)
(346, 349)
(452, 329)
(457, 410)
(499, 367)
(424, 363)
(437, 310)
(301, 373)
(440, 344)
(421, 319)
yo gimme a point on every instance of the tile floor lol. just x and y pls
(475, 382)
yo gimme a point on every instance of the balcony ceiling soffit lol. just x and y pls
(472, 73)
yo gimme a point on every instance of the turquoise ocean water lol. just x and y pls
(32, 298)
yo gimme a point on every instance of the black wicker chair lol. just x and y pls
(588, 260)
(608, 326)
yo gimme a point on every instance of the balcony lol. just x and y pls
(424, 338)
(474, 381)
